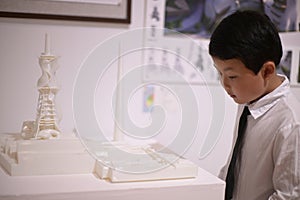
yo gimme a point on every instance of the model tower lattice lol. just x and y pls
(46, 123)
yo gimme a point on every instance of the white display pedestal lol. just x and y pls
(89, 187)
(65, 155)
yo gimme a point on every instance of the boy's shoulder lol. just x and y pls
(288, 109)
(293, 103)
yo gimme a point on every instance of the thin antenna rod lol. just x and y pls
(118, 135)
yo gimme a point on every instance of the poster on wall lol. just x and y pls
(200, 18)
(285, 64)
(298, 77)
(295, 67)
(172, 56)
(290, 65)
(180, 30)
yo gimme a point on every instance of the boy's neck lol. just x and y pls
(274, 82)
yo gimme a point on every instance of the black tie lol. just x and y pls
(236, 154)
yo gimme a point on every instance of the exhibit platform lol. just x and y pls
(91, 187)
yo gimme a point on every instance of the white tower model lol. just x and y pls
(46, 124)
(36, 151)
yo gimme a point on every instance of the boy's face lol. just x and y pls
(240, 82)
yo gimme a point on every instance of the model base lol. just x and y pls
(120, 162)
(66, 155)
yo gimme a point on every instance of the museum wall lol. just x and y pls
(22, 41)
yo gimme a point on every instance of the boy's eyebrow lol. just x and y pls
(228, 68)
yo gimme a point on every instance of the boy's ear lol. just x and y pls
(268, 69)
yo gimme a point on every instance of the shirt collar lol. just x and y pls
(262, 105)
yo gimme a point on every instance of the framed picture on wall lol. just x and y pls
(290, 65)
(172, 56)
(285, 65)
(298, 77)
(297, 69)
(113, 11)
(200, 18)
(170, 19)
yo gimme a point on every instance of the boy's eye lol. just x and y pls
(232, 77)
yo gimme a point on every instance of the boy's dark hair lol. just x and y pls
(248, 36)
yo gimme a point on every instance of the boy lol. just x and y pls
(246, 49)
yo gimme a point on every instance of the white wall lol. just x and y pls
(22, 41)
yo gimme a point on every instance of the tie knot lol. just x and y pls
(246, 111)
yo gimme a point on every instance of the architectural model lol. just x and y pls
(141, 163)
(119, 161)
(40, 148)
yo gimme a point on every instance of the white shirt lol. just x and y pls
(270, 162)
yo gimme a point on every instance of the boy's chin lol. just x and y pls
(239, 101)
